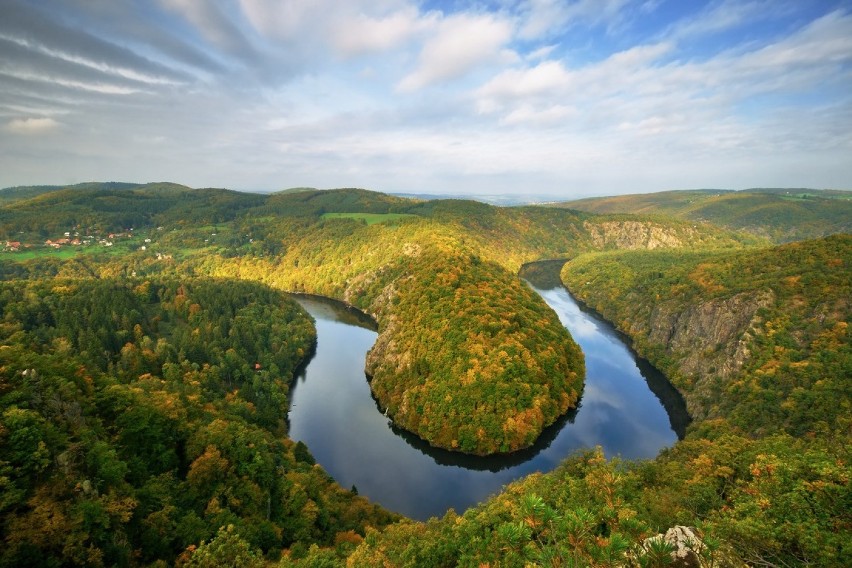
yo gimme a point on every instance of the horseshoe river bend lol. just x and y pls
(627, 407)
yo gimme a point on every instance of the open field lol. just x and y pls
(369, 218)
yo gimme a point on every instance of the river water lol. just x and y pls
(627, 408)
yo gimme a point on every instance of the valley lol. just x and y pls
(334, 413)
(153, 422)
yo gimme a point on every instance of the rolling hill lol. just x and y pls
(782, 215)
(755, 336)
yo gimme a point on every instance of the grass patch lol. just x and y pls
(69, 252)
(369, 218)
(63, 253)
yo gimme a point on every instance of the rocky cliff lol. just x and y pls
(636, 235)
(757, 336)
(710, 341)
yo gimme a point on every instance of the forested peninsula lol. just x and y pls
(147, 351)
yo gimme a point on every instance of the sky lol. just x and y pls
(565, 98)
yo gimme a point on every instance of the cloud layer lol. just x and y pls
(559, 97)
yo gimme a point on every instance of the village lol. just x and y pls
(80, 240)
(69, 239)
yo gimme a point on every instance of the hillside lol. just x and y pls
(138, 418)
(764, 472)
(20, 193)
(97, 209)
(752, 335)
(782, 215)
(426, 277)
(388, 268)
(758, 337)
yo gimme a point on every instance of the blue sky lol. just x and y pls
(567, 98)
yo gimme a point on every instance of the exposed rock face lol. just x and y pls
(385, 350)
(709, 340)
(686, 548)
(632, 235)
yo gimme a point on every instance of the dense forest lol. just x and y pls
(147, 352)
(759, 337)
(498, 369)
(139, 417)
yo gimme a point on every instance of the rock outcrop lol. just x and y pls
(634, 235)
(680, 547)
(681, 544)
(709, 340)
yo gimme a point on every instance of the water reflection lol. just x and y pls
(334, 413)
(487, 463)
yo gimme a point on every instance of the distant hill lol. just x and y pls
(47, 210)
(22, 192)
(142, 386)
(502, 199)
(316, 202)
(782, 215)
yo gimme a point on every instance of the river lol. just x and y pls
(627, 408)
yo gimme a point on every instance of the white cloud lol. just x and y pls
(327, 93)
(363, 34)
(552, 81)
(637, 56)
(552, 116)
(722, 16)
(101, 87)
(653, 125)
(827, 40)
(705, 116)
(650, 6)
(520, 83)
(540, 53)
(387, 21)
(459, 44)
(31, 125)
(118, 71)
(287, 20)
(213, 24)
(542, 17)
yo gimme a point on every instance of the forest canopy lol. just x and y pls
(146, 350)
(139, 417)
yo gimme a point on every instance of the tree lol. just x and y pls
(226, 550)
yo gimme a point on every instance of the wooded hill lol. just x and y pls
(388, 269)
(101, 208)
(139, 417)
(440, 278)
(758, 337)
(757, 340)
(782, 215)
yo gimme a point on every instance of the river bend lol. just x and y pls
(333, 412)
